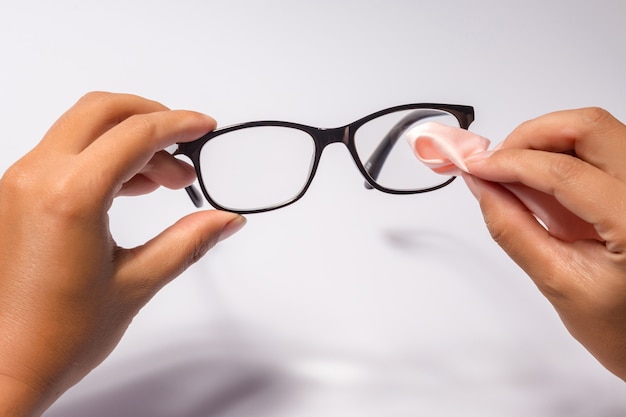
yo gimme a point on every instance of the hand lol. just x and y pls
(67, 291)
(579, 157)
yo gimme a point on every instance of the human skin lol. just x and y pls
(577, 156)
(67, 291)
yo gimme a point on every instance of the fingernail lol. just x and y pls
(480, 156)
(232, 227)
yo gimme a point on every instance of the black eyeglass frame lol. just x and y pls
(323, 137)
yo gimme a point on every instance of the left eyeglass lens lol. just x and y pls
(386, 155)
(256, 167)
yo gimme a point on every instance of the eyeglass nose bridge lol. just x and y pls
(325, 137)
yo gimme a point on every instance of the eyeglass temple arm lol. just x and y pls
(377, 159)
(192, 192)
(194, 195)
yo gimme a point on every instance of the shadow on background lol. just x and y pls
(196, 379)
(229, 379)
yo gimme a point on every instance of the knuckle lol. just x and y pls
(199, 250)
(100, 102)
(16, 179)
(552, 288)
(192, 254)
(62, 195)
(595, 115)
(141, 125)
(69, 197)
(498, 231)
(562, 282)
(566, 169)
(499, 228)
(97, 98)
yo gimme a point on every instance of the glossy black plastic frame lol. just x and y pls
(324, 137)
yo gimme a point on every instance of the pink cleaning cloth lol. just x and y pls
(444, 149)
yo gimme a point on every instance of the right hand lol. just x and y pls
(579, 157)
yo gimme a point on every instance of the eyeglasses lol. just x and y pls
(265, 165)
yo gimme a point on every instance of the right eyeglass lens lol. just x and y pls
(256, 167)
(386, 155)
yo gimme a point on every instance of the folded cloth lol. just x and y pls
(444, 149)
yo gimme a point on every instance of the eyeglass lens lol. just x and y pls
(262, 167)
(256, 167)
(398, 170)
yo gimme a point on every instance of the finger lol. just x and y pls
(162, 170)
(510, 223)
(593, 134)
(560, 222)
(517, 232)
(589, 193)
(147, 268)
(91, 116)
(129, 146)
(137, 185)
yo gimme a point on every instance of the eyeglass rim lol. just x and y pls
(463, 113)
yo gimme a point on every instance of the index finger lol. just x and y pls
(586, 191)
(91, 116)
(125, 149)
(592, 134)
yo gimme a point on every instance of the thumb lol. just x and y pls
(150, 266)
(515, 228)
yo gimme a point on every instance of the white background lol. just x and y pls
(350, 302)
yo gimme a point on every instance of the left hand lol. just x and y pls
(67, 291)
